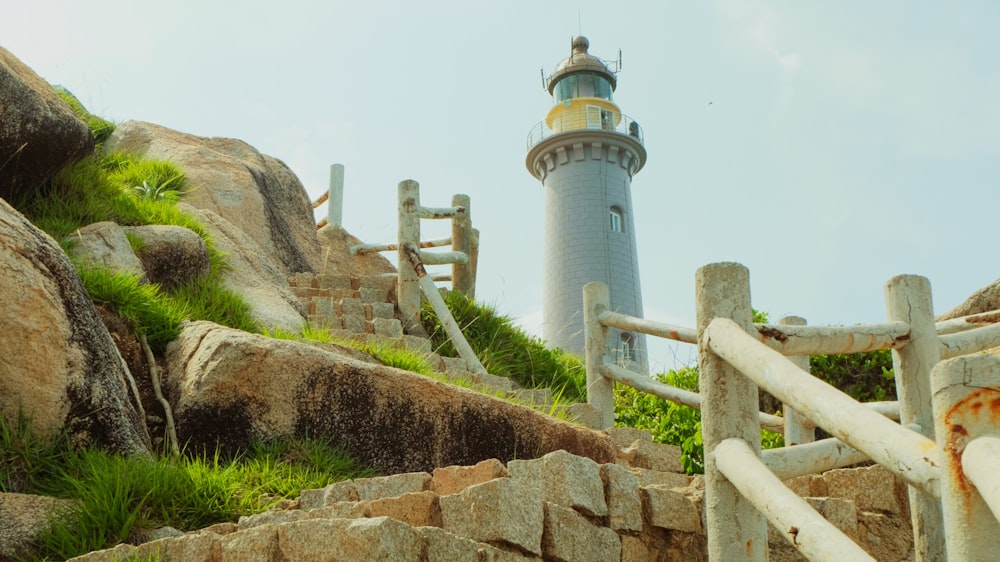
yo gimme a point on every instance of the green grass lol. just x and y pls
(100, 128)
(152, 312)
(416, 362)
(120, 497)
(25, 460)
(107, 188)
(506, 350)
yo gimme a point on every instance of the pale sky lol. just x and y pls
(827, 146)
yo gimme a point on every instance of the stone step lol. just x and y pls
(556, 507)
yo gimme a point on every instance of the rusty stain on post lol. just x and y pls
(965, 392)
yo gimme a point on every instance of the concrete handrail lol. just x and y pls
(947, 451)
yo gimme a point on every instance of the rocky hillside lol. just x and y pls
(466, 476)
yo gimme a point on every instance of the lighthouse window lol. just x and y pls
(584, 85)
(626, 348)
(616, 219)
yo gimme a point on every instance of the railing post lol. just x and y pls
(736, 530)
(966, 395)
(408, 288)
(908, 299)
(461, 241)
(473, 259)
(335, 205)
(600, 391)
(798, 428)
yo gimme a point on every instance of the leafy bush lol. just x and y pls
(866, 377)
(506, 350)
(670, 423)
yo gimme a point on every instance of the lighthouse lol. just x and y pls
(585, 153)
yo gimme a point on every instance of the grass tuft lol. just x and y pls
(152, 312)
(507, 350)
(26, 460)
(100, 128)
(119, 498)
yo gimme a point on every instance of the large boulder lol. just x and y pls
(229, 387)
(39, 134)
(105, 245)
(256, 193)
(170, 255)
(59, 364)
(252, 273)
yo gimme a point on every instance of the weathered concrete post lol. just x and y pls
(335, 205)
(408, 288)
(908, 299)
(461, 241)
(798, 428)
(600, 391)
(474, 260)
(966, 397)
(736, 530)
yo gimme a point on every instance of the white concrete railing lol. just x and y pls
(464, 242)
(862, 430)
(412, 278)
(946, 452)
(334, 197)
(464, 239)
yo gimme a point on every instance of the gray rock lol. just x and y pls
(105, 245)
(252, 274)
(39, 134)
(230, 387)
(257, 194)
(23, 518)
(60, 364)
(171, 255)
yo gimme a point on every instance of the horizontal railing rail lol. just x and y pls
(891, 445)
(775, 358)
(946, 450)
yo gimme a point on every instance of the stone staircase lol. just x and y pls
(364, 309)
(560, 508)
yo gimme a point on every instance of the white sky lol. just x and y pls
(826, 146)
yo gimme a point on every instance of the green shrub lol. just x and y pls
(670, 423)
(506, 350)
(866, 377)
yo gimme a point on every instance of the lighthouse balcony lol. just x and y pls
(595, 118)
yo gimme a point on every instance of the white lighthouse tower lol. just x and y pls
(585, 153)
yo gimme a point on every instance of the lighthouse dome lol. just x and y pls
(581, 62)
